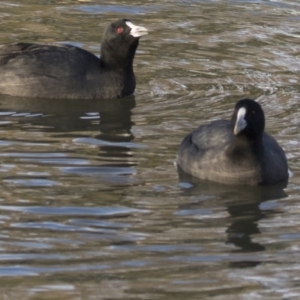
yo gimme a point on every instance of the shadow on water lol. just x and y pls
(69, 115)
(243, 204)
(105, 125)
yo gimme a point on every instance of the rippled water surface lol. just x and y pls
(91, 204)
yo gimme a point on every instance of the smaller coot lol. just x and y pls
(236, 151)
(66, 71)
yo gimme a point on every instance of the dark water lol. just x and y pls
(91, 204)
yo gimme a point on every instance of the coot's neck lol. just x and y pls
(243, 146)
(113, 58)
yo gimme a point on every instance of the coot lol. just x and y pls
(236, 151)
(65, 71)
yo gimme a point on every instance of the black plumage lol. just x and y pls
(236, 151)
(65, 71)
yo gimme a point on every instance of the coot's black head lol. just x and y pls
(248, 119)
(120, 41)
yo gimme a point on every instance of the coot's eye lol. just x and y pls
(120, 30)
(253, 112)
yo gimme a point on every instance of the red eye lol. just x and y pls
(120, 29)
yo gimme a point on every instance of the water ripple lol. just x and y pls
(72, 210)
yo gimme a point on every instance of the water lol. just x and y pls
(91, 204)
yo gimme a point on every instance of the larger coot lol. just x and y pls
(236, 151)
(65, 71)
